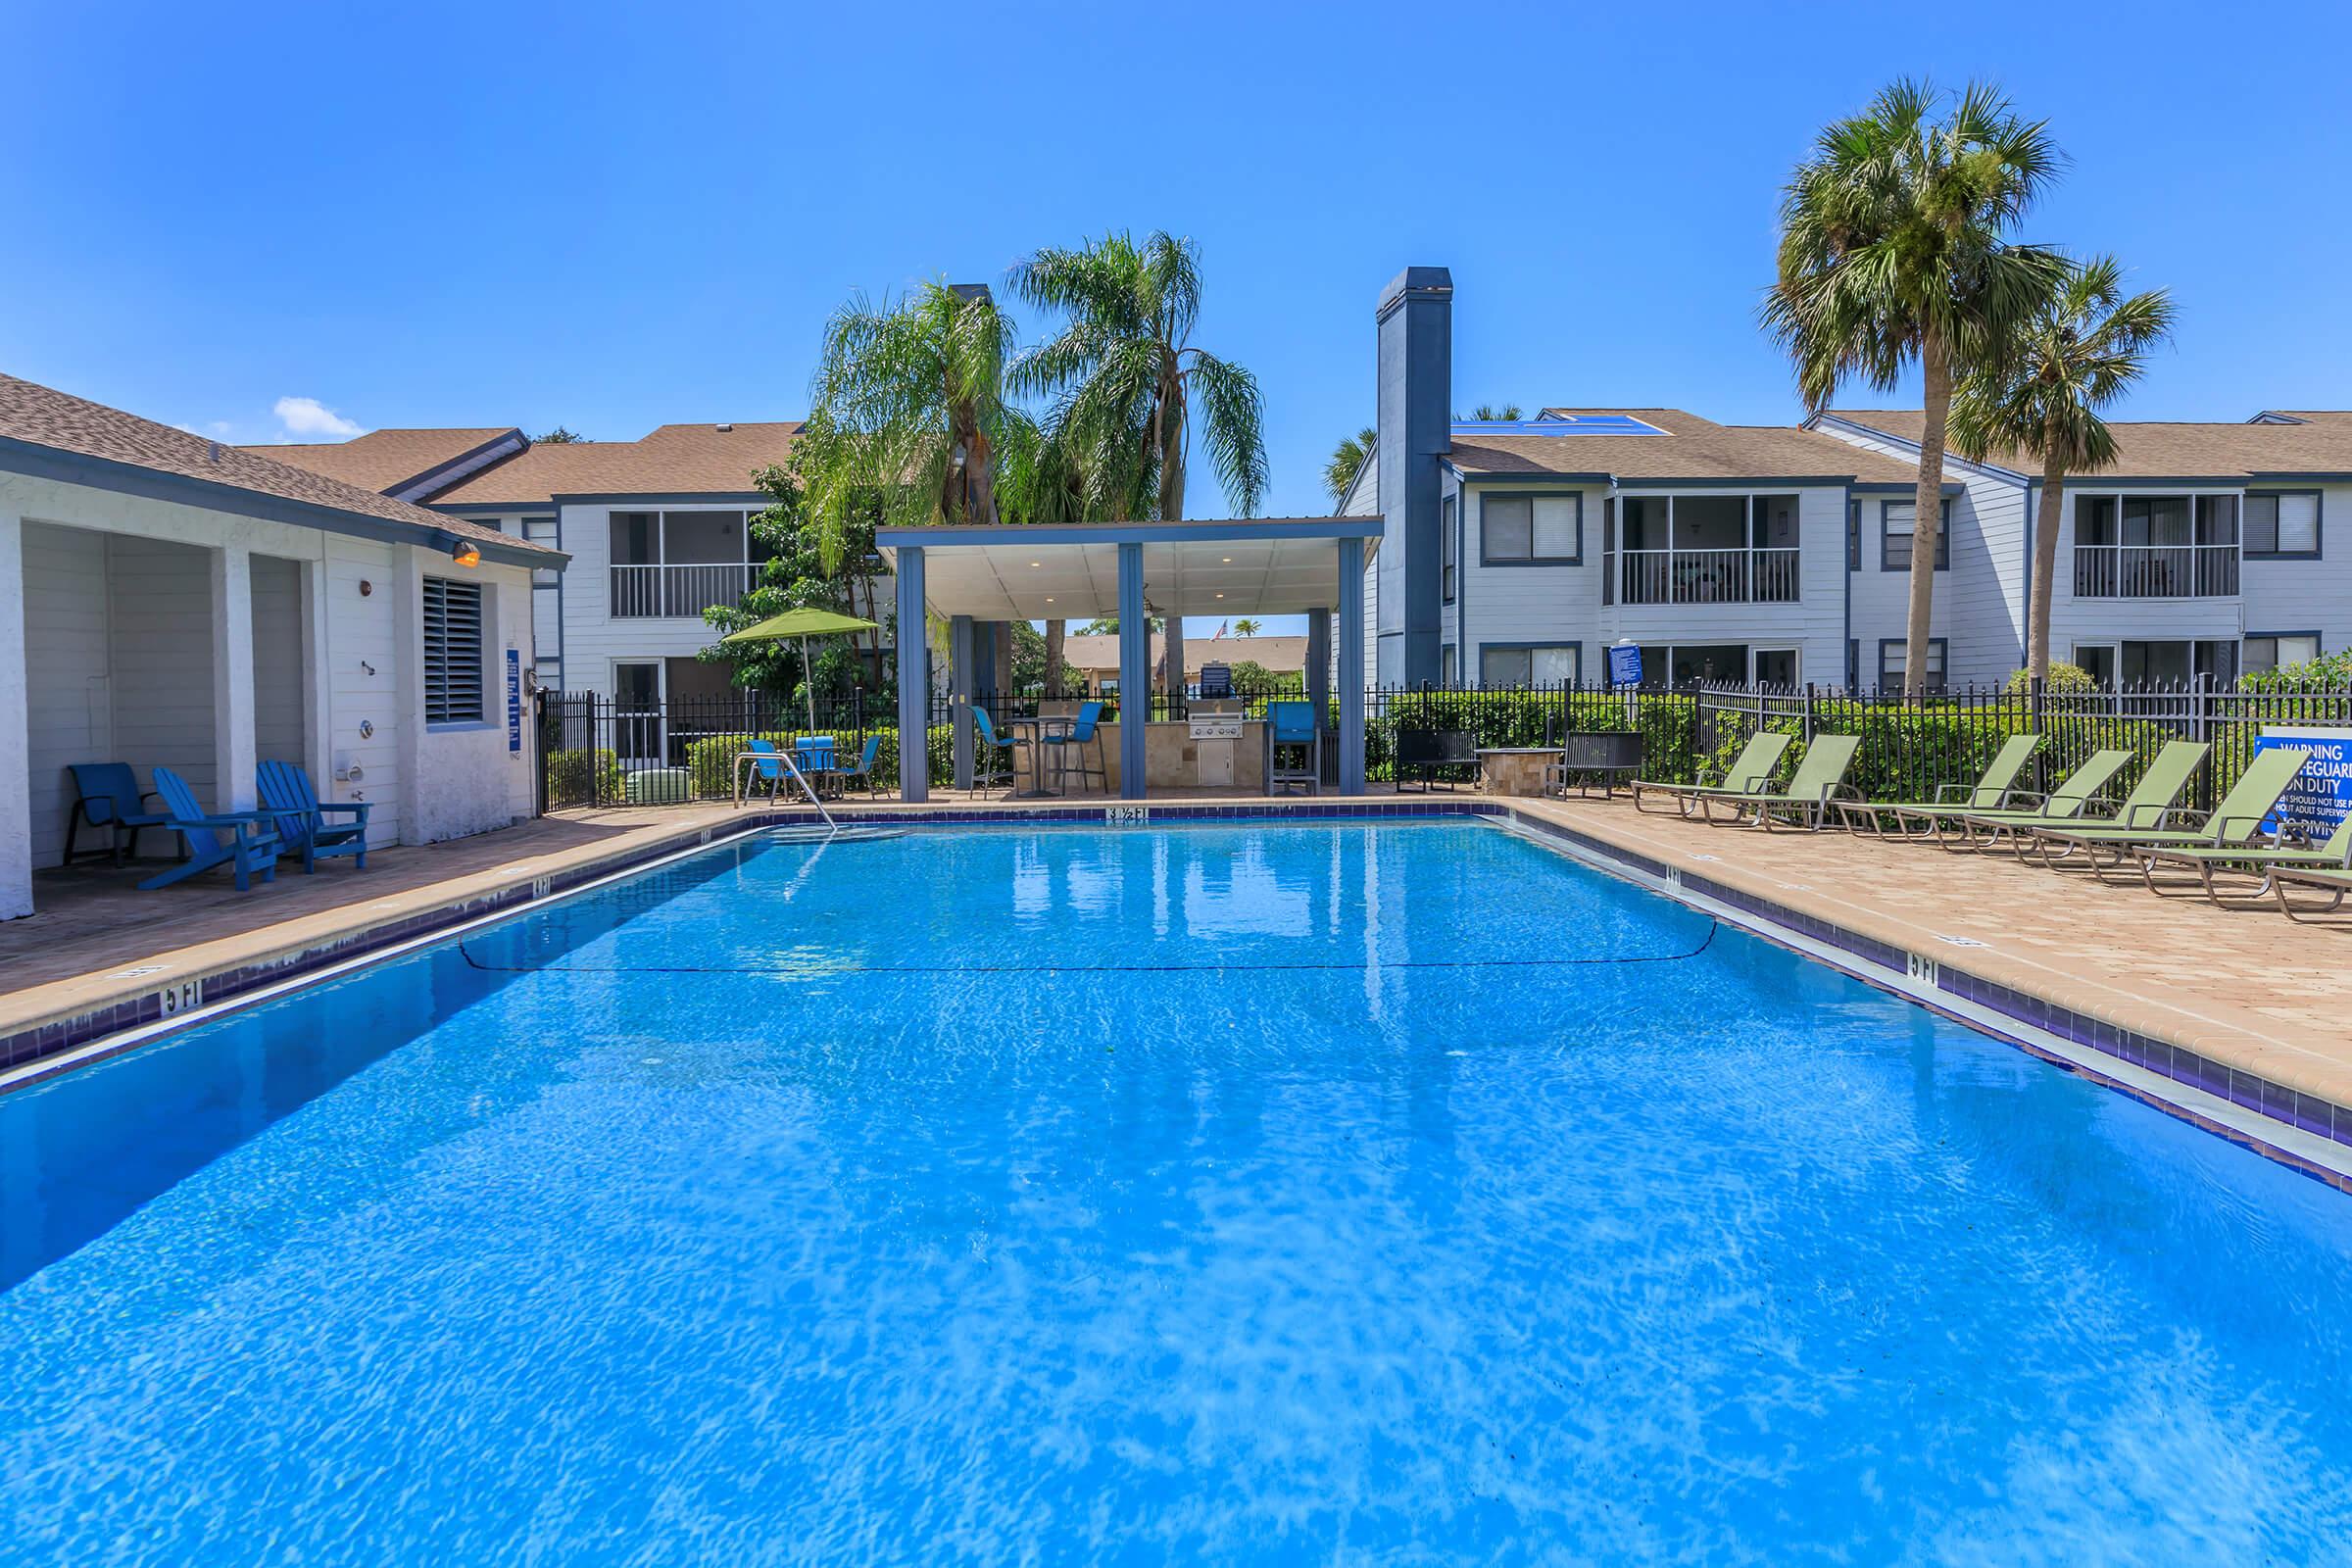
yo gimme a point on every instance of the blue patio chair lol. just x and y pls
(990, 748)
(767, 767)
(863, 772)
(302, 817)
(816, 753)
(245, 841)
(1292, 724)
(108, 797)
(1071, 742)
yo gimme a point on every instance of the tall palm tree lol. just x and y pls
(909, 407)
(1128, 381)
(2083, 347)
(1894, 249)
(1346, 461)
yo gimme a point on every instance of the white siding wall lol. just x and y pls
(1502, 604)
(69, 710)
(281, 722)
(1814, 625)
(2309, 595)
(2074, 620)
(1882, 598)
(160, 607)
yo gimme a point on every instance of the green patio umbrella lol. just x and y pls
(802, 624)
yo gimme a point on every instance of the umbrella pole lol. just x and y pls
(808, 684)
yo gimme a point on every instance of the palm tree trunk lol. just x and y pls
(1055, 631)
(1168, 421)
(2046, 557)
(1926, 513)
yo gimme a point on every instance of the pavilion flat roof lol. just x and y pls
(1210, 566)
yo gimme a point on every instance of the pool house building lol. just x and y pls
(167, 601)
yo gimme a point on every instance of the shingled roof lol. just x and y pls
(2320, 444)
(675, 460)
(41, 425)
(1686, 447)
(386, 459)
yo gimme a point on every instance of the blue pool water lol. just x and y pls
(1338, 1192)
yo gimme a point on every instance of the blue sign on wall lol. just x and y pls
(2321, 796)
(514, 701)
(1625, 665)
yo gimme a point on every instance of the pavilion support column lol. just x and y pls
(15, 739)
(233, 761)
(1135, 673)
(1174, 643)
(1318, 663)
(1352, 660)
(959, 693)
(987, 681)
(914, 679)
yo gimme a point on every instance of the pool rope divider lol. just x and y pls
(1919, 978)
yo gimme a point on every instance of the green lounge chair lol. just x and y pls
(2327, 879)
(1992, 792)
(2233, 823)
(2265, 862)
(1750, 774)
(1810, 795)
(2158, 789)
(244, 841)
(302, 817)
(2065, 804)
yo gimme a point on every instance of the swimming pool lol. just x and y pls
(1335, 1192)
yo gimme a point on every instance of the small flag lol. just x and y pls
(1220, 631)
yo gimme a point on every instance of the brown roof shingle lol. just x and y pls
(384, 459)
(673, 460)
(44, 416)
(1689, 448)
(2153, 450)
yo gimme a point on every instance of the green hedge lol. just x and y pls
(583, 777)
(710, 761)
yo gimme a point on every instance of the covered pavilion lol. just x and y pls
(972, 577)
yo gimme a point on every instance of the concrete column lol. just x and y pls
(914, 678)
(1351, 659)
(15, 736)
(1174, 645)
(1135, 673)
(233, 759)
(961, 635)
(987, 682)
(1318, 663)
(408, 692)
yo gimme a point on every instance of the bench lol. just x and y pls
(1599, 756)
(1425, 750)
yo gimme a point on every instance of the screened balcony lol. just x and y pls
(678, 563)
(2156, 546)
(1699, 550)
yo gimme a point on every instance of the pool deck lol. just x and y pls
(2246, 989)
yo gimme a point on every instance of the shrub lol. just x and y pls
(2062, 678)
(583, 777)
(2331, 672)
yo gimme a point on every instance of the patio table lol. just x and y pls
(1039, 729)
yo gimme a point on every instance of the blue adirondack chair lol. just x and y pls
(302, 817)
(245, 841)
(109, 799)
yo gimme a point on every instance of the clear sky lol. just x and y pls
(610, 217)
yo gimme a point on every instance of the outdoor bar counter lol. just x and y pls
(1176, 757)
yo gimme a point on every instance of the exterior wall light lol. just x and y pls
(465, 554)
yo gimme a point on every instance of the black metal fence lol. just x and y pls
(600, 752)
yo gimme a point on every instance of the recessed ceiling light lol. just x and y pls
(1036, 562)
(1049, 599)
(1220, 596)
(1228, 561)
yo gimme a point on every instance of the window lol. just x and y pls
(2282, 523)
(1448, 550)
(1853, 536)
(1547, 664)
(2278, 650)
(453, 651)
(1896, 529)
(1446, 666)
(2097, 661)
(1891, 675)
(1531, 530)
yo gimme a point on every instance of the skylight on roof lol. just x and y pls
(1560, 424)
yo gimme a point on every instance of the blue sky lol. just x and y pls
(611, 216)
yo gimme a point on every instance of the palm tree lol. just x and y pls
(1488, 413)
(1893, 249)
(2076, 356)
(908, 410)
(1346, 461)
(1127, 380)
(1245, 627)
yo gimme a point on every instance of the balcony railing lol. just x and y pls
(2155, 572)
(1705, 576)
(683, 591)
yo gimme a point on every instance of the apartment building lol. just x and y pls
(1516, 552)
